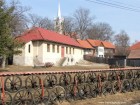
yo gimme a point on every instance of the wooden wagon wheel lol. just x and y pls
(129, 74)
(138, 83)
(12, 83)
(41, 98)
(133, 84)
(121, 74)
(91, 78)
(23, 97)
(116, 86)
(107, 88)
(94, 90)
(84, 91)
(32, 81)
(112, 76)
(80, 77)
(103, 76)
(137, 74)
(6, 100)
(50, 81)
(71, 93)
(57, 94)
(126, 86)
(65, 79)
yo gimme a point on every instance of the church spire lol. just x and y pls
(59, 10)
(59, 20)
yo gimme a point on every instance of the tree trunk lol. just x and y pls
(3, 61)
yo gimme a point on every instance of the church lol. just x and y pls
(52, 46)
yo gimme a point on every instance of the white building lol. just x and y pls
(48, 46)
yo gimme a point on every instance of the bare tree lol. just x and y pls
(19, 20)
(83, 21)
(68, 25)
(100, 31)
(122, 42)
(38, 21)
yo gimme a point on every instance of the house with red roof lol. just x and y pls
(48, 46)
(88, 49)
(134, 51)
(102, 48)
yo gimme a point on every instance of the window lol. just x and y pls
(70, 50)
(53, 48)
(57, 48)
(48, 47)
(66, 50)
(73, 50)
(29, 48)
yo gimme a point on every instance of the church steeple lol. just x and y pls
(59, 10)
(59, 20)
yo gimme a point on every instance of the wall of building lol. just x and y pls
(100, 51)
(26, 57)
(44, 54)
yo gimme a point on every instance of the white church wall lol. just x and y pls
(20, 58)
(29, 54)
(51, 56)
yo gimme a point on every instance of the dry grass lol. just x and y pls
(13, 68)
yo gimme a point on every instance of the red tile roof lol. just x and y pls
(134, 54)
(85, 44)
(108, 45)
(96, 43)
(135, 46)
(43, 34)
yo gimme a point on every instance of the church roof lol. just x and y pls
(43, 34)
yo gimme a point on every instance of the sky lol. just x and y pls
(119, 19)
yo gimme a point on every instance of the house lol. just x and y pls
(134, 51)
(88, 49)
(134, 55)
(102, 48)
(48, 46)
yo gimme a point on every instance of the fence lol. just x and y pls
(96, 59)
(133, 62)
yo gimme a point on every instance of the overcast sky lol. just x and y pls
(119, 19)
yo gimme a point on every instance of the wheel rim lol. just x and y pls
(129, 74)
(23, 97)
(65, 79)
(50, 81)
(107, 88)
(39, 99)
(13, 83)
(32, 81)
(80, 77)
(57, 94)
(84, 91)
(7, 99)
(91, 78)
(112, 76)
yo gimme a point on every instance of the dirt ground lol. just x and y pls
(129, 98)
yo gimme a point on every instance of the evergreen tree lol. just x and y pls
(8, 44)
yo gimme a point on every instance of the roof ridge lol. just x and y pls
(39, 32)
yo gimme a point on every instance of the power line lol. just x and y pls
(121, 3)
(114, 5)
